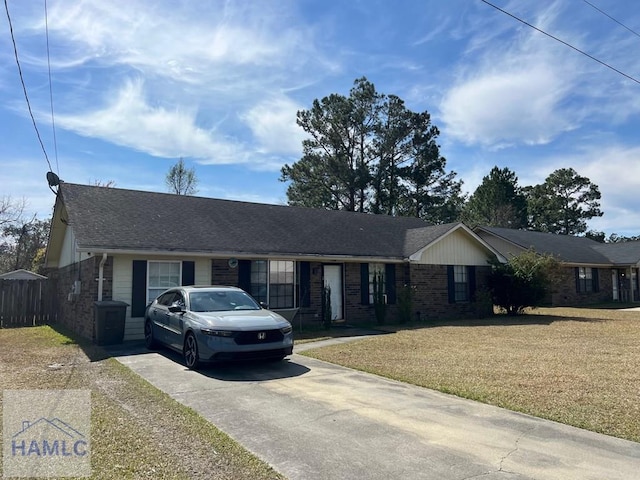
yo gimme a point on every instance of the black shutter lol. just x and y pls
(471, 272)
(139, 288)
(596, 279)
(244, 275)
(390, 282)
(577, 270)
(451, 284)
(188, 273)
(305, 284)
(364, 283)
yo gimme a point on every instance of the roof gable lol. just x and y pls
(22, 274)
(451, 244)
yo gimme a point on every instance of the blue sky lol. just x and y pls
(138, 84)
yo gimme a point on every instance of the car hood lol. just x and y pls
(241, 319)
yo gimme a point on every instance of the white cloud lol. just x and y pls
(273, 123)
(188, 42)
(616, 171)
(505, 107)
(517, 87)
(130, 121)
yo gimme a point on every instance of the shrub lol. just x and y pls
(521, 282)
(405, 303)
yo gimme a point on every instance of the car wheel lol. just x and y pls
(190, 351)
(149, 341)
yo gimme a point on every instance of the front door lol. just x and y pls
(332, 275)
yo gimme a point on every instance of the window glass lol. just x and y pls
(585, 279)
(273, 282)
(161, 275)
(220, 301)
(167, 299)
(259, 280)
(376, 269)
(461, 283)
(281, 284)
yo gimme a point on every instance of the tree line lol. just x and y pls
(367, 152)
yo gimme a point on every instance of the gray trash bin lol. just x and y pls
(109, 321)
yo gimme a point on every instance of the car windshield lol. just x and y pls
(221, 301)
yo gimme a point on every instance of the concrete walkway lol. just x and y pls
(314, 420)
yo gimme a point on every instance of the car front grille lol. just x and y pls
(255, 355)
(258, 336)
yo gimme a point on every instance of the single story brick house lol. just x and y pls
(126, 245)
(592, 272)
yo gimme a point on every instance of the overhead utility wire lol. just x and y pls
(53, 122)
(563, 42)
(24, 87)
(607, 15)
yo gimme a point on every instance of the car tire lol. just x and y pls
(190, 351)
(149, 340)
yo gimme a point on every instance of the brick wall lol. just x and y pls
(431, 299)
(78, 313)
(431, 294)
(565, 292)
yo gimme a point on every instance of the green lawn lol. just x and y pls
(576, 366)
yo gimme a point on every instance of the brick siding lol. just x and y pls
(565, 292)
(78, 313)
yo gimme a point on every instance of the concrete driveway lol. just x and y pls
(314, 420)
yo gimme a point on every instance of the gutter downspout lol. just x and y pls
(100, 275)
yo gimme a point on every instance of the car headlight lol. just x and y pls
(286, 329)
(217, 333)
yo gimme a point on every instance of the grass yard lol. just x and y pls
(576, 366)
(136, 430)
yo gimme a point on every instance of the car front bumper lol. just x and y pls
(218, 349)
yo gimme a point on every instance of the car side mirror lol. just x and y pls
(264, 305)
(176, 308)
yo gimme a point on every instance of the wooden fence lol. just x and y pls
(27, 303)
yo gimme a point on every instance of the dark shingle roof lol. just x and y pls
(625, 253)
(118, 219)
(566, 248)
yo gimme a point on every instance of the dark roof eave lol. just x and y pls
(97, 249)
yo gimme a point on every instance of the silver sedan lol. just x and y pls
(209, 324)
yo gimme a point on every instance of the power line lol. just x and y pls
(53, 122)
(24, 87)
(607, 15)
(562, 41)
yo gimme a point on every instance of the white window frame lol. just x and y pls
(461, 283)
(274, 271)
(585, 280)
(159, 289)
(377, 269)
(270, 275)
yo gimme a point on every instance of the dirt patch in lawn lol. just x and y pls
(136, 430)
(579, 367)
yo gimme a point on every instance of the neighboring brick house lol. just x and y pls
(592, 272)
(125, 245)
